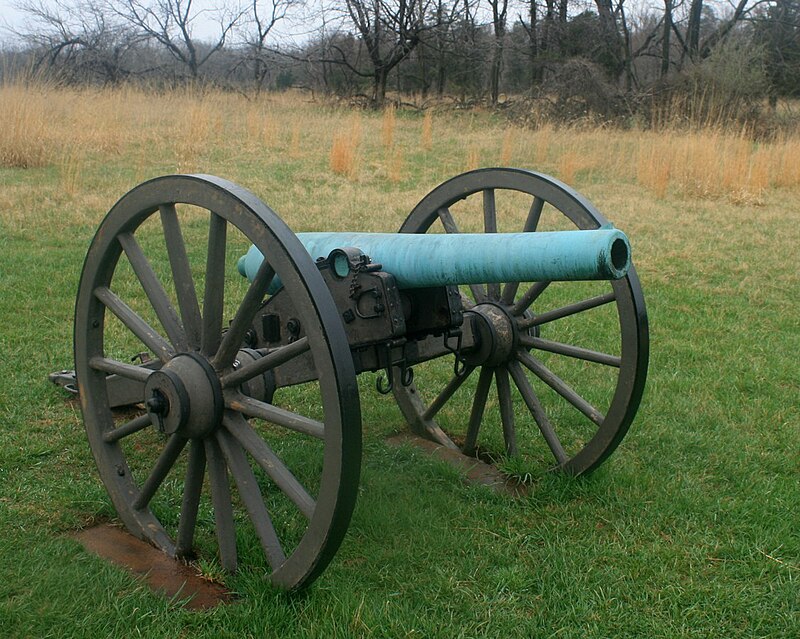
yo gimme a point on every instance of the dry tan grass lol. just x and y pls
(786, 167)
(344, 149)
(540, 143)
(507, 150)
(70, 174)
(102, 142)
(427, 131)
(713, 165)
(567, 166)
(389, 125)
(653, 169)
(24, 139)
(473, 158)
(394, 165)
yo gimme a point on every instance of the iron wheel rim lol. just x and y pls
(628, 296)
(228, 205)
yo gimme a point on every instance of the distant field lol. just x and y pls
(689, 530)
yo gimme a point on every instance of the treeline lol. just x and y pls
(604, 59)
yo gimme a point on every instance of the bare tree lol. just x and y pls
(80, 41)
(531, 29)
(668, 27)
(389, 30)
(499, 19)
(742, 10)
(261, 18)
(693, 28)
(469, 50)
(440, 38)
(170, 23)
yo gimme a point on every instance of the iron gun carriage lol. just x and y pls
(255, 378)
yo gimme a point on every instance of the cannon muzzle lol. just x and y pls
(424, 260)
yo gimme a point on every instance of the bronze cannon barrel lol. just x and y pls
(423, 260)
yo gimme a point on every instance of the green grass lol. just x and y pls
(689, 530)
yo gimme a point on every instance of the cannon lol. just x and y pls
(223, 411)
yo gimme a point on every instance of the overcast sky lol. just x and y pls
(300, 28)
(8, 15)
(11, 17)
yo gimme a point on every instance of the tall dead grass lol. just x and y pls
(716, 165)
(394, 165)
(87, 134)
(473, 159)
(426, 138)
(507, 150)
(25, 132)
(389, 125)
(344, 155)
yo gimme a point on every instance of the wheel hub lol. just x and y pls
(496, 331)
(260, 387)
(184, 397)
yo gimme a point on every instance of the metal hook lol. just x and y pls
(384, 388)
(459, 365)
(379, 383)
(406, 372)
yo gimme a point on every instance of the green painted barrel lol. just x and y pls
(423, 260)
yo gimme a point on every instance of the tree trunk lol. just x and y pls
(379, 91)
(665, 41)
(626, 51)
(497, 68)
(499, 9)
(534, 46)
(693, 29)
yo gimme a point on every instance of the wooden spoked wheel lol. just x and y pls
(568, 380)
(160, 281)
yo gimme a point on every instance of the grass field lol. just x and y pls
(689, 530)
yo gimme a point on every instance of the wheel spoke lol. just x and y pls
(135, 324)
(534, 215)
(273, 414)
(531, 222)
(128, 428)
(478, 292)
(448, 222)
(530, 296)
(192, 487)
(265, 457)
(478, 406)
(151, 289)
(483, 195)
(447, 392)
(251, 496)
(163, 465)
(271, 360)
(506, 410)
(154, 290)
(128, 371)
(539, 416)
(490, 226)
(234, 337)
(509, 292)
(566, 311)
(214, 294)
(181, 275)
(560, 386)
(450, 226)
(223, 506)
(570, 351)
(489, 212)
